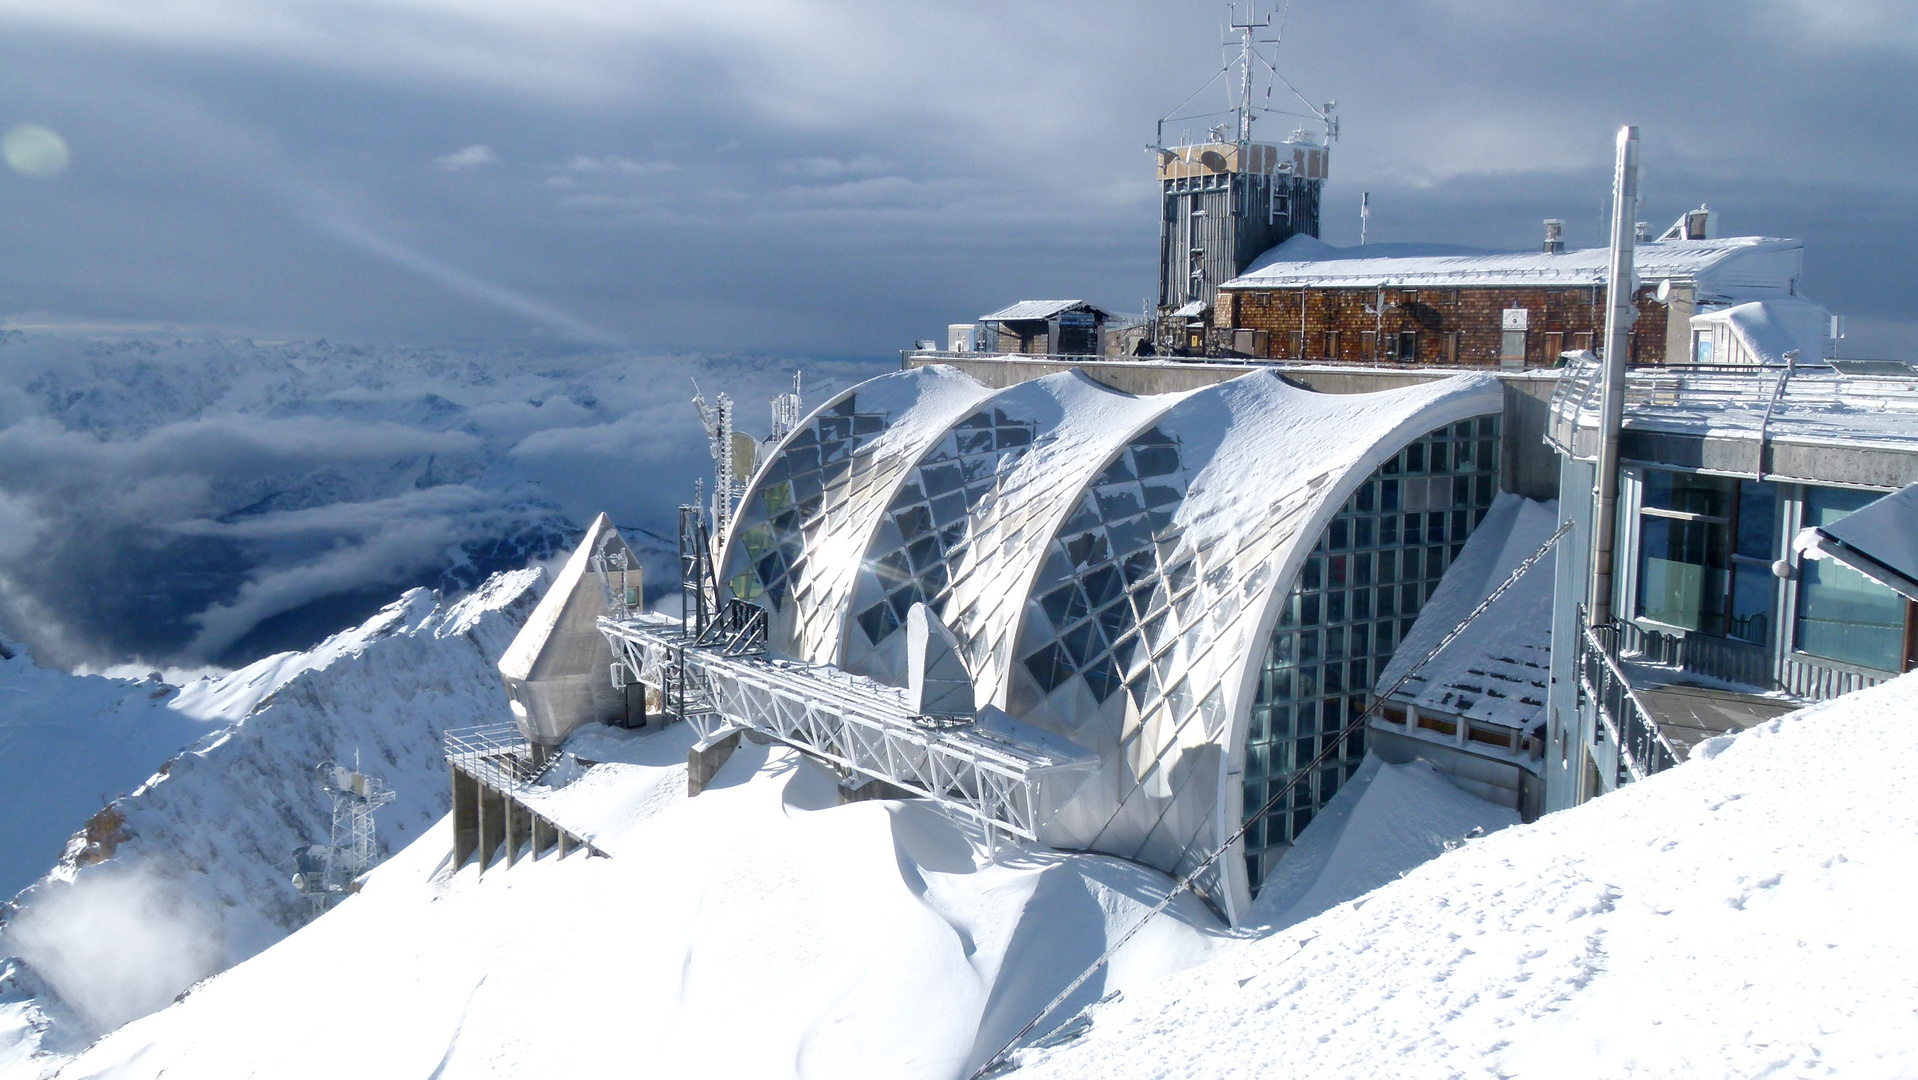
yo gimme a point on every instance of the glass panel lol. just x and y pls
(1315, 676)
(1681, 572)
(1843, 615)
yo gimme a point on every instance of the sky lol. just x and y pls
(840, 178)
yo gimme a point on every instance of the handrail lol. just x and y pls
(1643, 748)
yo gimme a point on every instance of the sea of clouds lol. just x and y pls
(185, 504)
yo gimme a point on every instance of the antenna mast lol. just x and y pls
(1246, 29)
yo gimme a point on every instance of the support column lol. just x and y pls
(492, 823)
(466, 816)
(705, 758)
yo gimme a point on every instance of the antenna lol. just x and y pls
(717, 419)
(1246, 29)
(1365, 212)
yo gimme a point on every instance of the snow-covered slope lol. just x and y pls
(190, 872)
(759, 930)
(1746, 914)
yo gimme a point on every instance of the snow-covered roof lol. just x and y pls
(1037, 309)
(1728, 266)
(1765, 330)
(1496, 671)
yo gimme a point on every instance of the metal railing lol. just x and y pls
(1815, 391)
(1701, 654)
(1643, 749)
(495, 754)
(859, 725)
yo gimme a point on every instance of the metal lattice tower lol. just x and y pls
(352, 845)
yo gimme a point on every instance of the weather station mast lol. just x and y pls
(1225, 200)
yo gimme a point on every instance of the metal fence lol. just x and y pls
(1808, 390)
(1642, 748)
(496, 754)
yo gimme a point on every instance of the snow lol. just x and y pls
(1885, 532)
(1385, 820)
(1768, 329)
(1496, 671)
(190, 872)
(1741, 915)
(758, 930)
(1735, 265)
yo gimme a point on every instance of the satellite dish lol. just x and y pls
(1665, 291)
(1213, 160)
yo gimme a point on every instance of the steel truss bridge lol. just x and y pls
(1003, 775)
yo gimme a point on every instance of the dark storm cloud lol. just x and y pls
(846, 177)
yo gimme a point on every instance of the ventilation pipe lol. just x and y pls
(1554, 236)
(1622, 312)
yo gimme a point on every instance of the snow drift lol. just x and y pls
(1741, 915)
(759, 930)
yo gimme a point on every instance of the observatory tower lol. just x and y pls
(1227, 199)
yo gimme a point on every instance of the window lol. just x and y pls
(1701, 346)
(1368, 345)
(1331, 344)
(1705, 547)
(1582, 341)
(1843, 615)
(1408, 347)
(1356, 594)
(1451, 347)
(1554, 345)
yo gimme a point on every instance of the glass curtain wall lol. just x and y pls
(1843, 615)
(1705, 549)
(1356, 596)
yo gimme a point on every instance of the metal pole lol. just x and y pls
(1622, 313)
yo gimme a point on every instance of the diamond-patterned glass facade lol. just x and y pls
(941, 526)
(1355, 598)
(1116, 569)
(811, 509)
(970, 524)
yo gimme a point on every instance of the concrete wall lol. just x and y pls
(1526, 466)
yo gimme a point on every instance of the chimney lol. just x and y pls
(1698, 223)
(1642, 232)
(1554, 236)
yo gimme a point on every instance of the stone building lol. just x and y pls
(1428, 304)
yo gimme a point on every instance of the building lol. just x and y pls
(1044, 327)
(1196, 589)
(1729, 301)
(1717, 617)
(1222, 205)
(1476, 709)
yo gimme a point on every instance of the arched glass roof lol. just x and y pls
(968, 527)
(807, 516)
(1113, 566)
(1136, 635)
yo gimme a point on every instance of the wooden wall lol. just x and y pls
(1455, 326)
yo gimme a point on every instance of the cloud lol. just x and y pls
(116, 944)
(183, 503)
(586, 163)
(468, 158)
